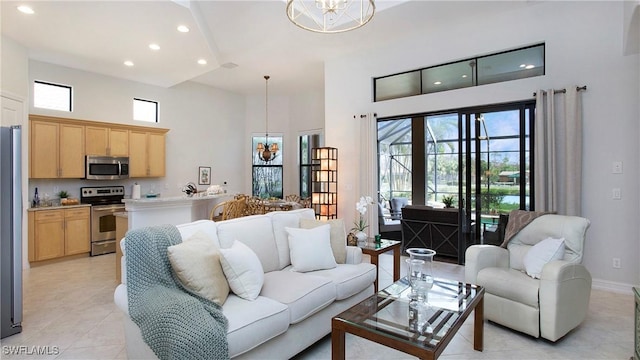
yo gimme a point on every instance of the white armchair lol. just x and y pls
(547, 307)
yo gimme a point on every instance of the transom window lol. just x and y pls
(52, 96)
(145, 110)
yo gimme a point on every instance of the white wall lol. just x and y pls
(583, 47)
(13, 84)
(289, 116)
(205, 126)
(14, 68)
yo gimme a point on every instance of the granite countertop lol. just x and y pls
(160, 199)
(56, 207)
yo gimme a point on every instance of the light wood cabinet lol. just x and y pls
(46, 235)
(106, 141)
(58, 147)
(60, 232)
(57, 150)
(146, 154)
(77, 231)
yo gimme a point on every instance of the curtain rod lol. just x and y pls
(563, 91)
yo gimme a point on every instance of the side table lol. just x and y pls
(374, 249)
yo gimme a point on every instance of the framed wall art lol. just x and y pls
(204, 175)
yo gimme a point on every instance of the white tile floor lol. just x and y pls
(69, 312)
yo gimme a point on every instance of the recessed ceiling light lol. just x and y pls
(183, 29)
(25, 9)
(229, 65)
(202, 61)
(523, 65)
(128, 63)
(155, 47)
(464, 76)
(529, 66)
(437, 83)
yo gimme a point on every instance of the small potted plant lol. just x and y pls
(63, 195)
(448, 201)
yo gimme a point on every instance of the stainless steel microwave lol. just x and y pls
(106, 168)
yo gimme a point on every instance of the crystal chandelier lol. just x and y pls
(267, 152)
(330, 16)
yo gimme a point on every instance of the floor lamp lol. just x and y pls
(324, 182)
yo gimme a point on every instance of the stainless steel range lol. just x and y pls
(105, 202)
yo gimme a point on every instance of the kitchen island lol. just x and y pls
(171, 210)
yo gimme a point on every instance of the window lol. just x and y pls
(480, 70)
(145, 110)
(52, 96)
(306, 142)
(267, 175)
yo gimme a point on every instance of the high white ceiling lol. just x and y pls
(99, 36)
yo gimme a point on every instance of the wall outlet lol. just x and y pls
(616, 195)
(616, 263)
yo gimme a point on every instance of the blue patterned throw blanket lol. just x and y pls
(175, 323)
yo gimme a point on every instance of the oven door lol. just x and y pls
(103, 228)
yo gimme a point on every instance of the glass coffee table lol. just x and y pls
(384, 318)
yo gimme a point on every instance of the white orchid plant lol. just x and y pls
(361, 206)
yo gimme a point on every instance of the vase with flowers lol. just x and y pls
(360, 225)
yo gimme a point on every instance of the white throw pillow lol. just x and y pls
(196, 262)
(541, 253)
(243, 270)
(310, 249)
(338, 236)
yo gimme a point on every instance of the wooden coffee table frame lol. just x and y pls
(374, 251)
(340, 326)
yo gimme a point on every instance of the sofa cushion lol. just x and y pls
(510, 284)
(206, 226)
(310, 249)
(540, 254)
(252, 323)
(243, 270)
(304, 294)
(280, 220)
(254, 231)
(338, 236)
(196, 262)
(349, 279)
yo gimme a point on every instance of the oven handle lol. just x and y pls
(107, 207)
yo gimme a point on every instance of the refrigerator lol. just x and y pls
(10, 230)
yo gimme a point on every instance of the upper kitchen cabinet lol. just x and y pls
(58, 146)
(147, 153)
(106, 141)
(57, 150)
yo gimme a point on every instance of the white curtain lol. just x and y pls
(368, 168)
(558, 152)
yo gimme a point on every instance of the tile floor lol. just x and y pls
(69, 312)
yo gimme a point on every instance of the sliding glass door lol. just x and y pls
(478, 160)
(497, 160)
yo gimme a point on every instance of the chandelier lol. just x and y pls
(330, 16)
(266, 151)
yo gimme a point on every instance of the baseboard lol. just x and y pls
(612, 286)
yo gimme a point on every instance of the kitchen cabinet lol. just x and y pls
(59, 232)
(106, 141)
(77, 231)
(146, 154)
(56, 150)
(58, 146)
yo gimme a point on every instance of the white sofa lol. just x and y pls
(293, 310)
